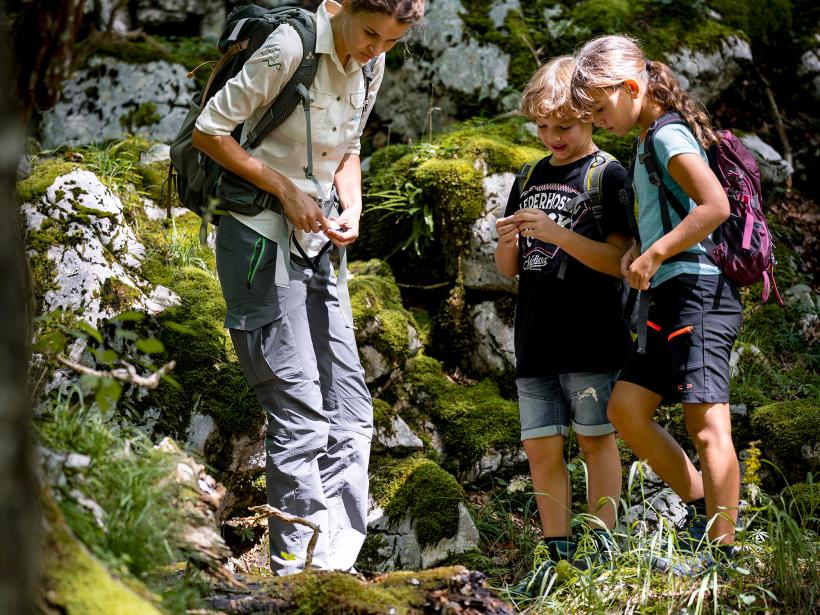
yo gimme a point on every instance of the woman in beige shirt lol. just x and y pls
(295, 342)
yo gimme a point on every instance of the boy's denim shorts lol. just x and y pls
(547, 405)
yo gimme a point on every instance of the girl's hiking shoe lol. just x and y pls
(543, 577)
(692, 534)
(719, 558)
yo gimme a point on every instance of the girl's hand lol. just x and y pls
(627, 258)
(344, 229)
(536, 223)
(507, 230)
(303, 212)
(640, 272)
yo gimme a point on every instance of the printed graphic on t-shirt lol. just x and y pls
(555, 199)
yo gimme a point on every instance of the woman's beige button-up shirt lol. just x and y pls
(338, 113)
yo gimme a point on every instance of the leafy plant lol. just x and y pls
(406, 207)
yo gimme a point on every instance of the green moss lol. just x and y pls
(43, 175)
(370, 294)
(383, 414)
(472, 419)
(77, 583)
(765, 21)
(138, 117)
(603, 16)
(153, 177)
(207, 371)
(806, 499)
(418, 486)
(374, 266)
(117, 295)
(386, 156)
(190, 52)
(789, 432)
(370, 557)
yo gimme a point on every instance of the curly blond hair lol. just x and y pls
(608, 61)
(548, 93)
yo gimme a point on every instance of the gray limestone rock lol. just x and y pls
(399, 438)
(494, 352)
(480, 272)
(101, 96)
(773, 168)
(375, 365)
(400, 548)
(100, 247)
(810, 68)
(707, 74)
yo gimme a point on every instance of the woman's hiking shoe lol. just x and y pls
(543, 577)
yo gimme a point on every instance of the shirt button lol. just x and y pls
(324, 153)
(338, 98)
(334, 129)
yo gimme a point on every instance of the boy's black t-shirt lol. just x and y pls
(574, 324)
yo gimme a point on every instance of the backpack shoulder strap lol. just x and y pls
(655, 171)
(593, 177)
(523, 176)
(304, 22)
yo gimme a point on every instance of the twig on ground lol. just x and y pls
(127, 373)
(266, 510)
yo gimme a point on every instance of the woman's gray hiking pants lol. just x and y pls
(300, 357)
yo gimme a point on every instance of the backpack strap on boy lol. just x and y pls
(592, 175)
(523, 177)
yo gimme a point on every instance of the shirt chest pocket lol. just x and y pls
(321, 114)
(358, 107)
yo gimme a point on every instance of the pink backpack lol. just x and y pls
(742, 246)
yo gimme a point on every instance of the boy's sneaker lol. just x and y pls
(543, 577)
(594, 548)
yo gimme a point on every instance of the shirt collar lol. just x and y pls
(324, 35)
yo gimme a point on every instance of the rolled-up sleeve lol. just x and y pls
(355, 146)
(255, 86)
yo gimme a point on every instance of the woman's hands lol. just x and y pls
(344, 228)
(302, 211)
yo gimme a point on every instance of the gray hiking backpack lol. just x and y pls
(203, 186)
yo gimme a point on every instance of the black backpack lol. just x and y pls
(593, 177)
(203, 186)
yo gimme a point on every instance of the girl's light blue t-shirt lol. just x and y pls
(670, 141)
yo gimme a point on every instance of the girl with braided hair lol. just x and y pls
(694, 310)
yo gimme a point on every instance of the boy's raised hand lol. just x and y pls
(536, 223)
(507, 229)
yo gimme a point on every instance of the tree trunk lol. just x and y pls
(18, 490)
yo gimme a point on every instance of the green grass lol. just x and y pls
(137, 528)
(775, 569)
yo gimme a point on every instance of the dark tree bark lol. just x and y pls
(18, 491)
(36, 42)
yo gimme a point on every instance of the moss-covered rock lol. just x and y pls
(789, 433)
(435, 192)
(340, 593)
(417, 487)
(805, 498)
(474, 420)
(378, 313)
(77, 583)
